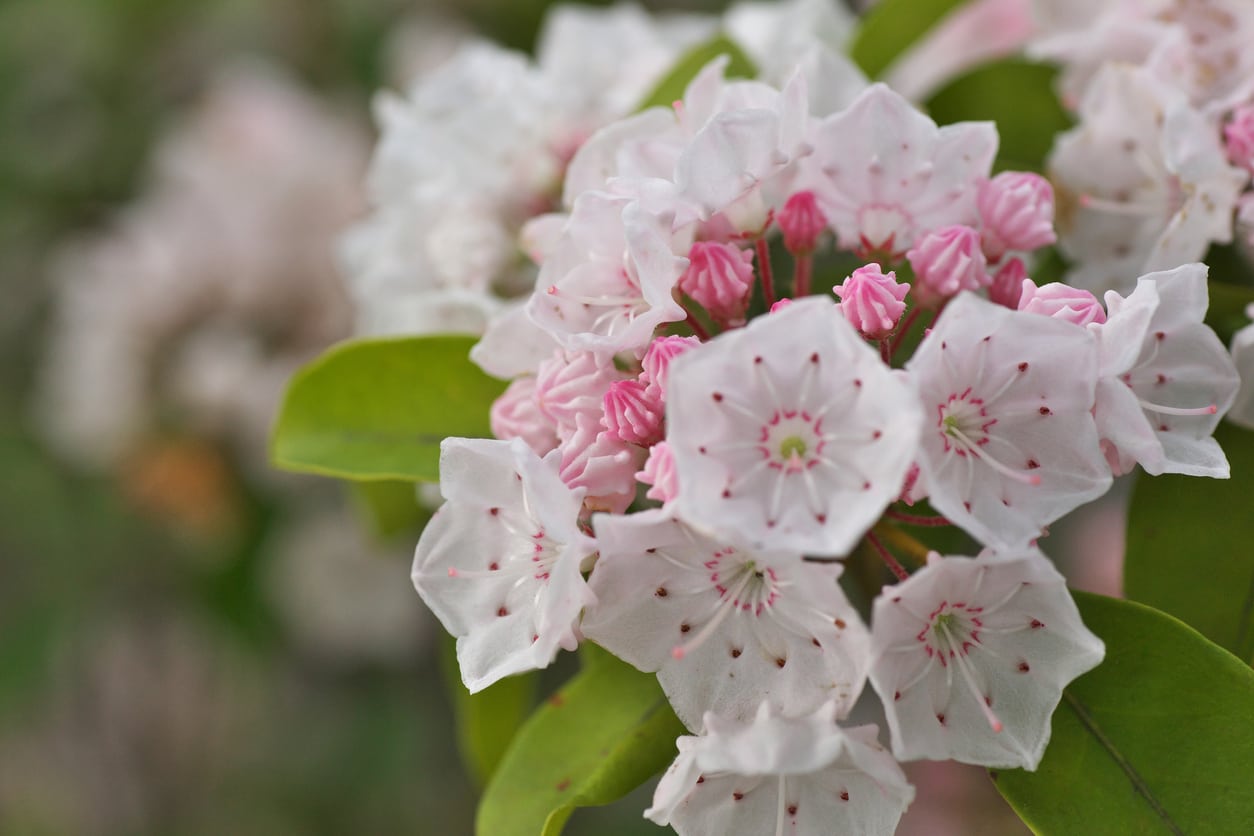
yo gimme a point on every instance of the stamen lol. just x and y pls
(726, 606)
(1177, 410)
(959, 656)
(1119, 207)
(781, 810)
(1004, 470)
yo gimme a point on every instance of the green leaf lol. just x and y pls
(379, 408)
(607, 731)
(1159, 738)
(487, 721)
(1184, 560)
(1016, 94)
(672, 86)
(892, 27)
(390, 508)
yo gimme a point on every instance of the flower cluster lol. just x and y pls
(778, 430)
(697, 433)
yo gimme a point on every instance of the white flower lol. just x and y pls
(1143, 181)
(1012, 444)
(1166, 378)
(789, 433)
(500, 562)
(972, 654)
(779, 775)
(725, 628)
(885, 174)
(1243, 358)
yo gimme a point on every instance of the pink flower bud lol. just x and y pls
(569, 384)
(1061, 301)
(802, 221)
(718, 278)
(780, 305)
(515, 414)
(602, 464)
(1239, 134)
(633, 412)
(659, 471)
(657, 359)
(947, 261)
(872, 300)
(1007, 284)
(1017, 211)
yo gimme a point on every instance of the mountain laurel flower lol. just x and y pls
(516, 414)
(872, 300)
(659, 473)
(724, 628)
(657, 359)
(802, 221)
(719, 278)
(633, 413)
(790, 431)
(1166, 379)
(971, 656)
(1016, 213)
(1061, 301)
(781, 775)
(946, 262)
(1239, 137)
(500, 564)
(1012, 445)
(1007, 284)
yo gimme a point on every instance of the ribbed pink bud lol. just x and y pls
(1017, 212)
(515, 414)
(633, 412)
(719, 277)
(593, 459)
(659, 472)
(947, 261)
(1239, 134)
(1007, 284)
(802, 221)
(872, 300)
(657, 359)
(569, 384)
(780, 305)
(1062, 301)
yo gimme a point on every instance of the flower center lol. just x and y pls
(792, 441)
(793, 445)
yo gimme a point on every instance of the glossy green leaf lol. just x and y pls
(671, 88)
(606, 732)
(1019, 97)
(1159, 738)
(1191, 547)
(379, 408)
(891, 27)
(487, 721)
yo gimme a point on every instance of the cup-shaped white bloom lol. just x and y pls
(499, 563)
(726, 629)
(789, 433)
(610, 280)
(972, 654)
(885, 173)
(1242, 411)
(1011, 444)
(1166, 377)
(781, 775)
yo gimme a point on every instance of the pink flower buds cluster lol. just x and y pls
(1016, 213)
(946, 262)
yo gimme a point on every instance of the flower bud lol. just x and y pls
(633, 412)
(1239, 134)
(657, 359)
(1007, 284)
(659, 472)
(1061, 301)
(1017, 212)
(515, 414)
(802, 221)
(605, 466)
(718, 278)
(780, 305)
(569, 384)
(872, 300)
(947, 261)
